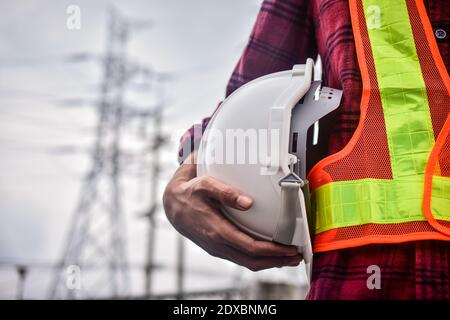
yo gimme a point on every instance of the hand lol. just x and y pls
(192, 206)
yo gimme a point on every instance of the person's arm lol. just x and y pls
(282, 36)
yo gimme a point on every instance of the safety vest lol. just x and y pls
(391, 182)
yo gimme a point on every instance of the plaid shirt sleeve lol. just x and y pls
(283, 35)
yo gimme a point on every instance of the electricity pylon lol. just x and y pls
(96, 242)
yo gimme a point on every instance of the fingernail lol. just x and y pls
(244, 202)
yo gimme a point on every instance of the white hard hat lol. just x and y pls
(256, 142)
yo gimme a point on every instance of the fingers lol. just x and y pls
(251, 247)
(230, 235)
(261, 263)
(194, 202)
(222, 192)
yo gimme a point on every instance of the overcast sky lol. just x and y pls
(198, 42)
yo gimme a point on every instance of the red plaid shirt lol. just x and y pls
(286, 33)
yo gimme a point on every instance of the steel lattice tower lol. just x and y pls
(96, 240)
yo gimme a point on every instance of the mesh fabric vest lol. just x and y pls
(391, 183)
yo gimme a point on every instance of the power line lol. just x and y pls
(36, 265)
(43, 122)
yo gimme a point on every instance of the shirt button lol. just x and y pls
(440, 33)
